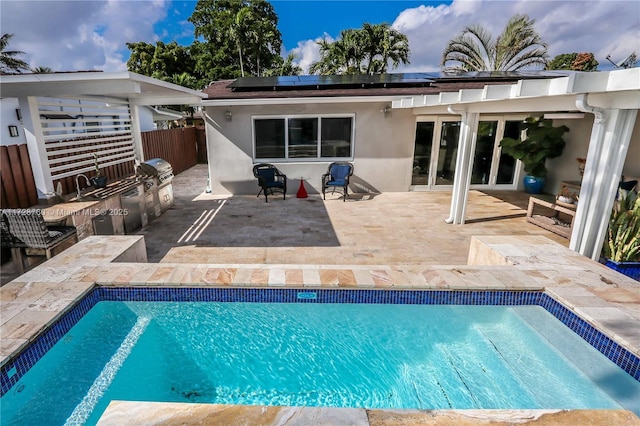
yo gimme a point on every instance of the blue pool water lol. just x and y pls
(340, 355)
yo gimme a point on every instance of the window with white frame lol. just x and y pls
(303, 137)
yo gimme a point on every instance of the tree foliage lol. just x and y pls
(542, 141)
(240, 37)
(574, 61)
(367, 50)
(9, 61)
(518, 46)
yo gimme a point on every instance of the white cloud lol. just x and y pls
(602, 27)
(308, 52)
(84, 35)
(71, 35)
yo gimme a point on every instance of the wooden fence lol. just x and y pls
(16, 176)
(177, 146)
(180, 147)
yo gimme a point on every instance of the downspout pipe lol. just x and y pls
(588, 195)
(583, 105)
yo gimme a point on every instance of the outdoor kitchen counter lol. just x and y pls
(114, 188)
(97, 212)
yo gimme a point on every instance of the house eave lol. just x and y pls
(137, 88)
(298, 101)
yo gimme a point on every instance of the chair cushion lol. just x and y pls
(337, 182)
(275, 184)
(269, 175)
(339, 172)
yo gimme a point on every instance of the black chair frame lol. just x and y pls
(279, 182)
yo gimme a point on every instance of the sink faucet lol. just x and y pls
(86, 179)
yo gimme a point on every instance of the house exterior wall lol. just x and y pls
(565, 167)
(8, 108)
(145, 118)
(383, 148)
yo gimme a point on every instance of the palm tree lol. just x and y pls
(385, 44)
(362, 51)
(518, 46)
(8, 61)
(42, 70)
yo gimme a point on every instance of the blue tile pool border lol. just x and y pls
(14, 369)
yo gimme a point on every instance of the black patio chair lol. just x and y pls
(270, 179)
(337, 177)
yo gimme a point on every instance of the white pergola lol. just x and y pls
(104, 106)
(612, 97)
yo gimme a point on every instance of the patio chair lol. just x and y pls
(270, 179)
(337, 177)
(24, 230)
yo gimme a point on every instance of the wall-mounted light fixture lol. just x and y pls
(386, 111)
(13, 131)
(18, 114)
(228, 116)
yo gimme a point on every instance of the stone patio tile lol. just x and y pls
(311, 277)
(329, 277)
(260, 276)
(381, 279)
(20, 330)
(346, 278)
(160, 275)
(414, 279)
(619, 295)
(143, 273)
(242, 276)
(277, 277)
(451, 278)
(8, 310)
(363, 278)
(225, 276)
(9, 346)
(293, 277)
(31, 317)
(434, 279)
(26, 291)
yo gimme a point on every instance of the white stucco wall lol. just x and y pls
(383, 148)
(565, 167)
(8, 118)
(146, 119)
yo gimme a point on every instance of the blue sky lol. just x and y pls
(68, 35)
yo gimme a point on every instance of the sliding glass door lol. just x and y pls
(436, 150)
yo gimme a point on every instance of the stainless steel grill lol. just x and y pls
(158, 168)
(158, 175)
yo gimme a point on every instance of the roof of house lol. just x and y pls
(361, 86)
(138, 88)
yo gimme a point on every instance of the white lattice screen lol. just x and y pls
(76, 129)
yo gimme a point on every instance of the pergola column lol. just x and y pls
(136, 134)
(464, 166)
(608, 146)
(35, 146)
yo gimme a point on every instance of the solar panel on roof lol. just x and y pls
(365, 81)
(331, 81)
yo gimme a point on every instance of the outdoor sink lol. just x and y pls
(86, 197)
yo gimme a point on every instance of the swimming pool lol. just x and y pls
(359, 348)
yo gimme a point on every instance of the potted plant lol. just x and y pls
(542, 140)
(99, 180)
(622, 245)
